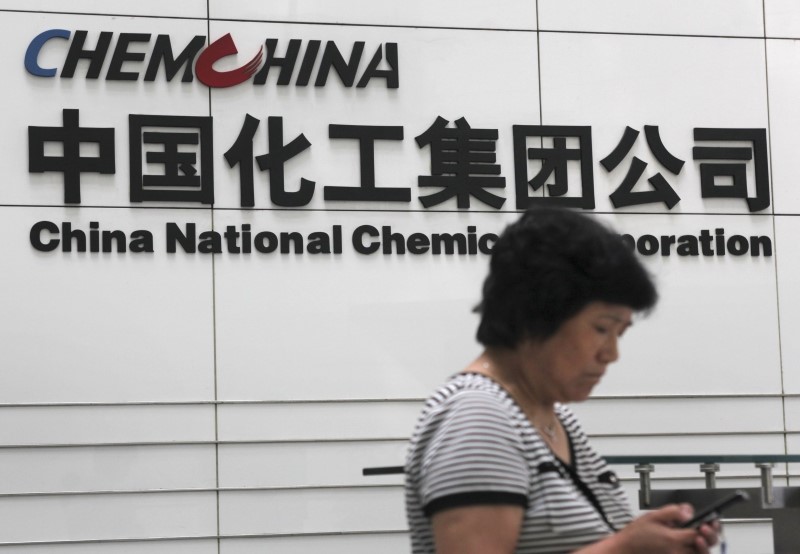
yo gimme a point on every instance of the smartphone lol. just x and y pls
(712, 512)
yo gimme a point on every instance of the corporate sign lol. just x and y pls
(463, 160)
(198, 59)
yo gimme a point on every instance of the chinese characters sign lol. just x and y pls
(462, 163)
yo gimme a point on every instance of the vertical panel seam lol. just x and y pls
(214, 332)
(775, 237)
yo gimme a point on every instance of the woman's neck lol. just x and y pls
(506, 367)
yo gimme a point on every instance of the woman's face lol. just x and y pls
(569, 364)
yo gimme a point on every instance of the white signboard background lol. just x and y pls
(190, 396)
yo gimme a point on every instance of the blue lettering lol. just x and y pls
(32, 53)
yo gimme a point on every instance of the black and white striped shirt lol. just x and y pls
(474, 445)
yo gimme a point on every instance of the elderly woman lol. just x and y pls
(498, 463)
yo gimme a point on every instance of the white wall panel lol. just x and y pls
(792, 411)
(385, 307)
(676, 83)
(683, 443)
(312, 421)
(690, 415)
(786, 229)
(312, 511)
(782, 18)
(708, 17)
(128, 468)
(308, 464)
(196, 546)
(783, 57)
(746, 536)
(110, 424)
(173, 8)
(388, 543)
(128, 516)
(505, 14)
(89, 327)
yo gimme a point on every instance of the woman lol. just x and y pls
(497, 463)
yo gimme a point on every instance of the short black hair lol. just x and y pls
(547, 266)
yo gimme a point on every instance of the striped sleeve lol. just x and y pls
(474, 455)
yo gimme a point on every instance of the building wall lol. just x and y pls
(227, 402)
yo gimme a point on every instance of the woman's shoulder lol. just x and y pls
(469, 397)
(468, 388)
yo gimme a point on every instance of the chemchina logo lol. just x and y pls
(197, 59)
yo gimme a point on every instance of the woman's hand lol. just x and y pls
(659, 532)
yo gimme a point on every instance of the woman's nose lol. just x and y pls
(610, 351)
